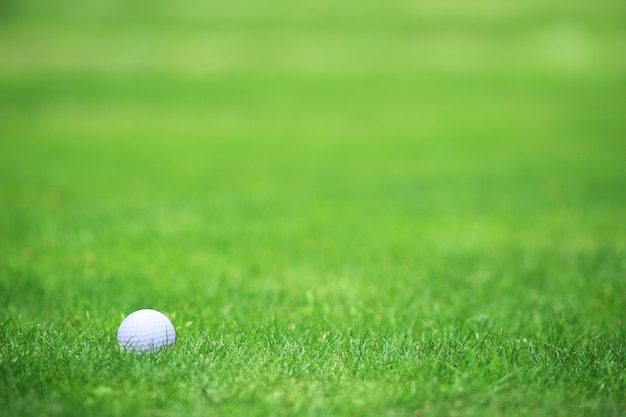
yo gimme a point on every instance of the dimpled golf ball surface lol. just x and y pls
(146, 331)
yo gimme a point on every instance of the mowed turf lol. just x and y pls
(359, 209)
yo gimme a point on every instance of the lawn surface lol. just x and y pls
(359, 209)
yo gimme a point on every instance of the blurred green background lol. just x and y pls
(442, 113)
(164, 140)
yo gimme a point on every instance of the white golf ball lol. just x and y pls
(146, 331)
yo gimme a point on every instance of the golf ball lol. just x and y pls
(146, 331)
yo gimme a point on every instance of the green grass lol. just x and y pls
(372, 209)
